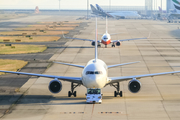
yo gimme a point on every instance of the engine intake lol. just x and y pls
(134, 85)
(118, 43)
(93, 43)
(55, 86)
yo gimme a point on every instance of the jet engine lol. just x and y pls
(134, 85)
(93, 43)
(118, 43)
(55, 86)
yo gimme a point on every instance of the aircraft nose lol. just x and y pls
(95, 79)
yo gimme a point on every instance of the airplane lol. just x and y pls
(175, 13)
(106, 39)
(119, 14)
(94, 75)
(99, 13)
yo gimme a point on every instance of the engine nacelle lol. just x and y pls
(55, 86)
(118, 43)
(93, 43)
(134, 85)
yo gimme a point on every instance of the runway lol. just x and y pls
(159, 98)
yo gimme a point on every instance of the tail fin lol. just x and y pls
(93, 8)
(160, 9)
(99, 8)
(96, 56)
(106, 25)
(37, 10)
(176, 4)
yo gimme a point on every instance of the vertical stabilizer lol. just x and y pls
(96, 42)
(37, 10)
(176, 4)
(106, 25)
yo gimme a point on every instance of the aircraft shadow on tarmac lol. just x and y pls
(175, 33)
(43, 99)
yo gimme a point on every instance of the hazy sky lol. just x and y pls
(68, 4)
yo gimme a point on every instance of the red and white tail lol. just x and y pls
(96, 56)
(37, 10)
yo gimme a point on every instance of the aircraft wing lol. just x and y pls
(127, 40)
(80, 39)
(111, 66)
(125, 78)
(81, 66)
(69, 79)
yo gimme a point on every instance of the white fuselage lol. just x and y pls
(126, 14)
(94, 74)
(106, 39)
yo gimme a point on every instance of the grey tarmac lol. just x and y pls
(159, 98)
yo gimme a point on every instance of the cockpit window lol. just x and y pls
(105, 38)
(93, 72)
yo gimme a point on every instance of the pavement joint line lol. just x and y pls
(9, 110)
(156, 84)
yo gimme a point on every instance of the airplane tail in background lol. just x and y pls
(94, 10)
(160, 9)
(37, 10)
(99, 8)
(176, 4)
(102, 11)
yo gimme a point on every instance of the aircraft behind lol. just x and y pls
(106, 39)
(118, 14)
(175, 13)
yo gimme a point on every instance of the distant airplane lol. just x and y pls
(176, 12)
(162, 11)
(118, 14)
(94, 76)
(106, 39)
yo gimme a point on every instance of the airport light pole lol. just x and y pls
(109, 5)
(59, 5)
(87, 9)
(161, 6)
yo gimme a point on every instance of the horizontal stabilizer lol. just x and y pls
(110, 66)
(70, 64)
(78, 38)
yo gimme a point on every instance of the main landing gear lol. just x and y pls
(99, 45)
(72, 92)
(113, 45)
(118, 92)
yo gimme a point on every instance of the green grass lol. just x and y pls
(22, 49)
(11, 65)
